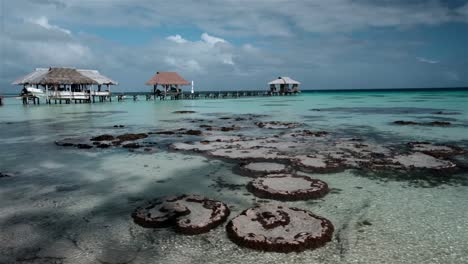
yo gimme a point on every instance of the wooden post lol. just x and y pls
(47, 93)
(110, 94)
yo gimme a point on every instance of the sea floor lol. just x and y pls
(68, 205)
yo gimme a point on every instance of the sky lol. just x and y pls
(241, 44)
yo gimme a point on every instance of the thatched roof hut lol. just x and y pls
(284, 85)
(284, 80)
(64, 76)
(167, 78)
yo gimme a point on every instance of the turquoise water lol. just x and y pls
(74, 205)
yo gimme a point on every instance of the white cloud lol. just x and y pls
(424, 60)
(463, 12)
(44, 22)
(177, 39)
(211, 40)
(197, 55)
(189, 65)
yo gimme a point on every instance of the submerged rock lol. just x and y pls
(435, 150)
(279, 229)
(402, 122)
(104, 137)
(164, 132)
(420, 160)
(277, 125)
(438, 123)
(180, 131)
(193, 132)
(188, 214)
(445, 113)
(433, 123)
(184, 112)
(318, 163)
(84, 146)
(309, 133)
(131, 137)
(256, 169)
(288, 187)
(223, 128)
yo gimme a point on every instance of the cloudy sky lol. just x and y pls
(242, 44)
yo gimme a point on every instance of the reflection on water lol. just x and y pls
(73, 206)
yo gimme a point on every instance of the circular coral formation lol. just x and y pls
(189, 214)
(257, 169)
(421, 161)
(279, 229)
(288, 187)
(318, 163)
(435, 150)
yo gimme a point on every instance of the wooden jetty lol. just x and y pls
(171, 83)
(65, 85)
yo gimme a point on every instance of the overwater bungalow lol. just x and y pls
(286, 86)
(65, 84)
(170, 82)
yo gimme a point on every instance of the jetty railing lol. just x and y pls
(216, 95)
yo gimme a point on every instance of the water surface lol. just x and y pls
(73, 206)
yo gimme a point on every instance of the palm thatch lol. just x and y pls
(63, 76)
(167, 78)
(283, 80)
(97, 76)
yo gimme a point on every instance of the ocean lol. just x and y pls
(74, 205)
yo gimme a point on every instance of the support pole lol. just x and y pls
(47, 94)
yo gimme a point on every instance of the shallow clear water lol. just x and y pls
(73, 206)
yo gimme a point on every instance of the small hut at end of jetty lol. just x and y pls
(67, 84)
(286, 86)
(170, 82)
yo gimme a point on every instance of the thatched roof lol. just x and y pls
(98, 77)
(284, 80)
(52, 76)
(167, 78)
